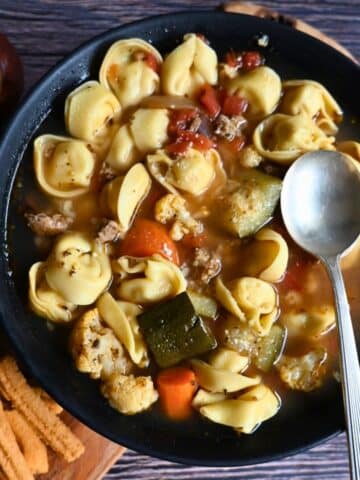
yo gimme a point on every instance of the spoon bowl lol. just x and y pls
(320, 202)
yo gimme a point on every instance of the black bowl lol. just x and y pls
(306, 419)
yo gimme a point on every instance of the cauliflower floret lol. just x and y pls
(304, 373)
(240, 337)
(129, 394)
(95, 348)
(172, 208)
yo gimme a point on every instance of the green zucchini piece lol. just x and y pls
(270, 347)
(174, 332)
(251, 204)
(205, 306)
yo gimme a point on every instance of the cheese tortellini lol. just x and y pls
(129, 70)
(250, 300)
(46, 302)
(312, 99)
(78, 268)
(121, 317)
(246, 412)
(312, 322)
(145, 132)
(148, 280)
(192, 64)
(261, 87)
(193, 172)
(90, 111)
(283, 138)
(63, 166)
(267, 256)
(122, 196)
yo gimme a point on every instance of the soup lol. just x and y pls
(165, 249)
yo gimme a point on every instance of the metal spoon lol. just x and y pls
(320, 203)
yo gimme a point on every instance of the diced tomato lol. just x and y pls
(151, 61)
(187, 139)
(233, 59)
(237, 144)
(208, 99)
(295, 275)
(194, 241)
(251, 60)
(234, 105)
(145, 238)
(179, 120)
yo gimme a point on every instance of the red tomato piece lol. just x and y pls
(251, 60)
(233, 59)
(194, 241)
(147, 237)
(187, 139)
(237, 144)
(234, 105)
(208, 99)
(152, 62)
(179, 120)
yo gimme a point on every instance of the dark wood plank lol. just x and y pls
(46, 30)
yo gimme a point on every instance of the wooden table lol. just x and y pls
(46, 30)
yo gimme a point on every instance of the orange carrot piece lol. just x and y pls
(176, 387)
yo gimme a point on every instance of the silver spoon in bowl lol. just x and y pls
(320, 204)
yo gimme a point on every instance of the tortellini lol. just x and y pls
(352, 150)
(121, 317)
(129, 70)
(267, 257)
(217, 380)
(245, 412)
(78, 268)
(148, 280)
(44, 301)
(283, 138)
(90, 111)
(312, 99)
(250, 300)
(63, 166)
(122, 196)
(312, 322)
(193, 172)
(188, 67)
(145, 132)
(261, 87)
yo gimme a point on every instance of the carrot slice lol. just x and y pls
(176, 387)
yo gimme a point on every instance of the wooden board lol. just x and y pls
(100, 453)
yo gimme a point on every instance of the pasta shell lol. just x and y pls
(192, 64)
(246, 412)
(144, 133)
(312, 99)
(44, 301)
(90, 111)
(63, 166)
(283, 138)
(123, 195)
(148, 280)
(261, 87)
(203, 397)
(217, 380)
(121, 317)
(267, 257)
(227, 359)
(125, 71)
(194, 172)
(78, 268)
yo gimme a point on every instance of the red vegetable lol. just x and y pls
(180, 119)
(176, 387)
(251, 60)
(194, 241)
(145, 238)
(151, 61)
(11, 77)
(233, 59)
(208, 99)
(234, 105)
(237, 144)
(187, 139)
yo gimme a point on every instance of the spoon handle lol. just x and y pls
(349, 366)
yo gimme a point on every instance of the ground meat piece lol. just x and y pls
(207, 263)
(46, 224)
(107, 173)
(304, 373)
(229, 127)
(172, 208)
(249, 157)
(110, 232)
(129, 394)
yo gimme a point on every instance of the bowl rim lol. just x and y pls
(6, 186)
